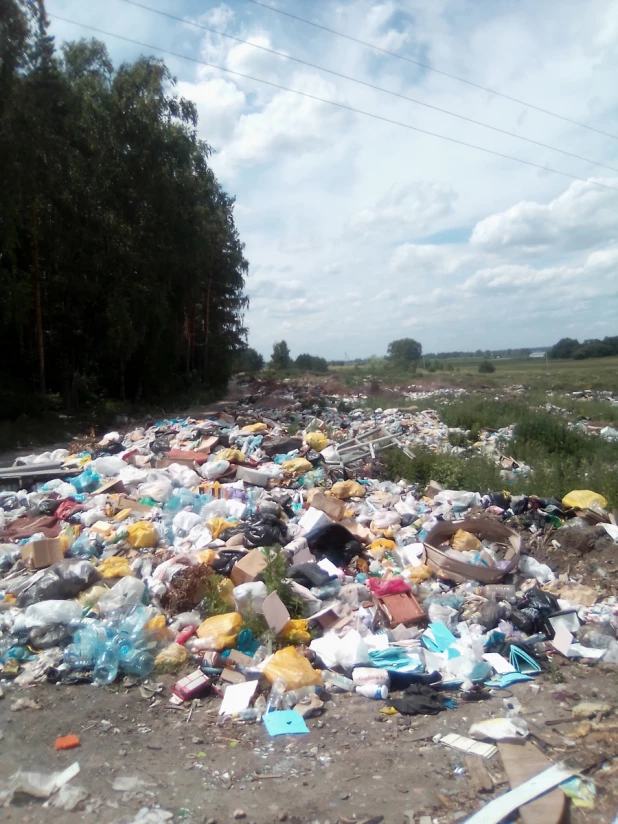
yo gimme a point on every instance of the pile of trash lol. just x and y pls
(267, 571)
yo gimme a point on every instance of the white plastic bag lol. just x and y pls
(158, 487)
(127, 592)
(533, 569)
(249, 597)
(47, 613)
(214, 469)
(499, 729)
(108, 465)
(458, 500)
(183, 475)
(185, 521)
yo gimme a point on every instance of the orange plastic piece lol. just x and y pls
(67, 742)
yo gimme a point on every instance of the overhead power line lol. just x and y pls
(367, 84)
(430, 68)
(330, 102)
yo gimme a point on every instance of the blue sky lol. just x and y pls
(359, 231)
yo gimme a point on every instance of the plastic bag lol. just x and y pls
(347, 489)
(465, 541)
(583, 499)
(221, 631)
(183, 475)
(108, 465)
(171, 658)
(316, 440)
(142, 534)
(533, 569)
(62, 580)
(51, 612)
(254, 428)
(296, 631)
(293, 669)
(218, 525)
(185, 521)
(115, 567)
(88, 481)
(214, 469)
(127, 592)
(159, 489)
(250, 597)
(231, 455)
(296, 466)
(499, 729)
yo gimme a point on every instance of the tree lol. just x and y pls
(406, 352)
(486, 366)
(281, 356)
(121, 270)
(564, 348)
(311, 363)
(248, 360)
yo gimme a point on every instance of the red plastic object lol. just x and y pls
(391, 587)
(67, 742)
(185, 634)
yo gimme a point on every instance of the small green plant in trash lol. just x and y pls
(214, 602)
(274, 575)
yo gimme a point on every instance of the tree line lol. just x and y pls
(121, 269)
(568, 348)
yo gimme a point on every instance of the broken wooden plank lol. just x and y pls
(479, 774)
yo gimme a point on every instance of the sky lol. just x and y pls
(358, 231)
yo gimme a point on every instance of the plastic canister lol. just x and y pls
(379, 692)
(370, 675)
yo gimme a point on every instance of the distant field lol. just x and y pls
(558, 375)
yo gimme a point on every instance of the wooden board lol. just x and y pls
(521, 762)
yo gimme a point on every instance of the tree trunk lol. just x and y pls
(37, 300)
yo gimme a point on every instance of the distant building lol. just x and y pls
(537, 354)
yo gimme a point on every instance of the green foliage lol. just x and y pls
(248, 360)
(214, 603)
(406, 351)
(311, 363)
(486, 367)
(113, 222)
(592, 348)
(273, 576)
(458, 439)
(453, 472)
(280, 358)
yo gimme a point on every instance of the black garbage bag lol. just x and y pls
(419, 699)
(229, 533)
(48, 506)
(48, 637)
(501, 499)
(226, 560)
(110, 449)
(309, 575)
(61, 581)
(265, 529)
(335, 542)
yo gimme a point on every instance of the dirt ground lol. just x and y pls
(353, 765)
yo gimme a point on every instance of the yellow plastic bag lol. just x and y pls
(420, 573)
(583, 499)
(142, 534)
(254, 428)
(380, 546)
(91, 596)
(316, 440)
(115, 567)
(292, 668)
(221, 630)
(207, 556)
(296, 466)
(465, 541)
(171, 658)
(231, 455)
(347, 489)
(218, 525)
(296, 631)
(226, 590)
(157, 628)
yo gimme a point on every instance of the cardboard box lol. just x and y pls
(134, 506)
(185, 456)
(452, 569)
(333, 507)
(252, 476)
(208, 444)
(248, 568)
(191, 686)
(312, 519)
(402, 608)
(110, 486)
(42, 553)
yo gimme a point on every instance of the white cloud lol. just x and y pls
(359, 231)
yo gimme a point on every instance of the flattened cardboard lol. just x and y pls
(332, 506)
(42, 553)
(110, 486)
(521, 762)
(248, 568)
(275, 612)
(134, 506)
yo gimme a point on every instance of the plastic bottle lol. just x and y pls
(276, 695)
(498, 592)
(250, 714)
(330, 590)
(293, 697)
(378, 692)
(106, 667)
(333, 680)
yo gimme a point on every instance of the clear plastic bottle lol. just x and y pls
(106, 667)
(334, 681)
(498, 592)
(250, 714)
(293, 697)
(276, 695)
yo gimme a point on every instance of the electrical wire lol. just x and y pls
(368, 85)
(431, 68)
(330, 102)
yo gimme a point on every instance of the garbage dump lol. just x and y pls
(260, 558)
